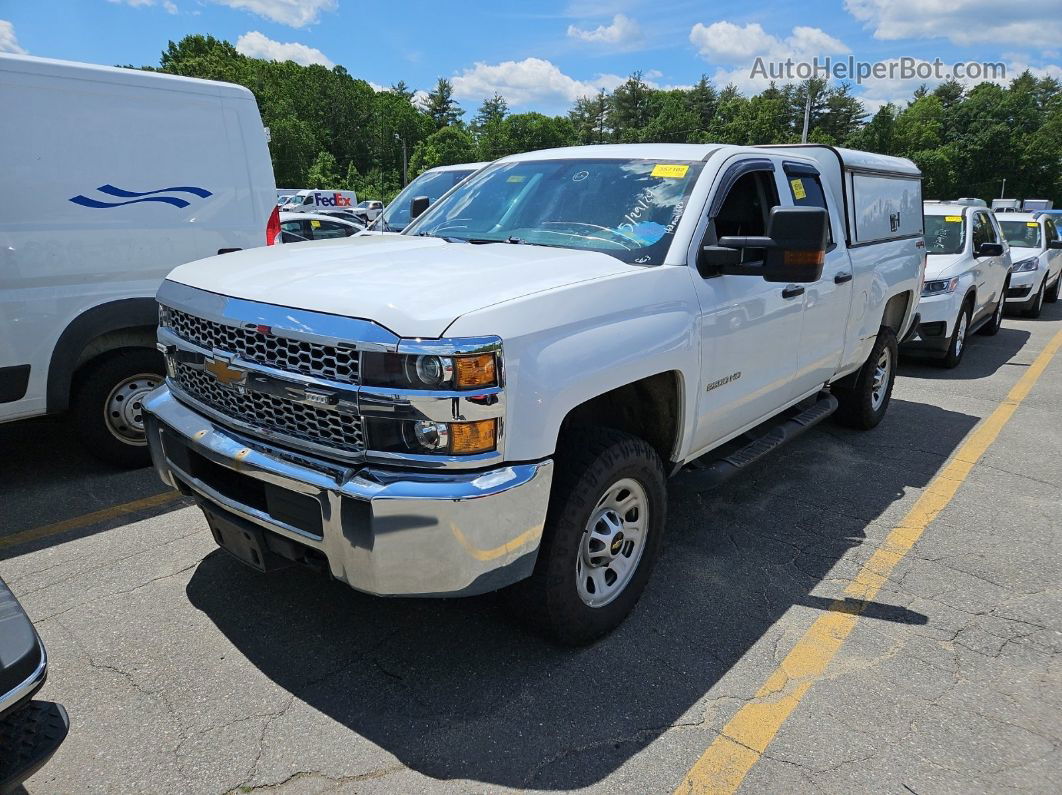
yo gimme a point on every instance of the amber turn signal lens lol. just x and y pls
(473, 437)
(473, 371)
(804, 257)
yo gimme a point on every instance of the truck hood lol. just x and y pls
(414, 286)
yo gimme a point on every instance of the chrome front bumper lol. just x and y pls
(384, 532)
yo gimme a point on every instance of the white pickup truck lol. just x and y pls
(497, 396)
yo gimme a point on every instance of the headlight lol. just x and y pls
(940, 286)
(424, 437)
(414, 371)
(1029, 264)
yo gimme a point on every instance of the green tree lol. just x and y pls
(589, 118)
(440, 105)
(324, 173)
(442, 148)
(630, 108)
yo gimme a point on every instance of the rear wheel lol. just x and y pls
(958, 339)
(865, 397)
(992, 327)
(603, 535)
(1038, 302)
(108, 405)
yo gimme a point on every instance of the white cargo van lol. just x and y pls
(132, 173)
(314, 201)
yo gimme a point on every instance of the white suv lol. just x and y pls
(1037, 255)
(967, 267)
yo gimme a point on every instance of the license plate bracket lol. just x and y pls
(245, 541)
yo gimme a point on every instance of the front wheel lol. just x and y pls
(603, 534)
(992, 327)
(958, 339)
(1052, 295)
(1038, 301)
(107, 405)
(865, 397)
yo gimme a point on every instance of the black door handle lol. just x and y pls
(792, 291)
(841, 278)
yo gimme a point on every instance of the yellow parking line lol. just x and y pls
(727, 761)
(87, 519)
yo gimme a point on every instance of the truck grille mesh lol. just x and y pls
(297, 420)
(294, 356)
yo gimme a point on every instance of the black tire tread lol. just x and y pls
(854, 409)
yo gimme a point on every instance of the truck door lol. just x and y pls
(749, 328)
(828, 301)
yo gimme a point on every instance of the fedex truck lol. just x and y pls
(132, 174)
(313, 201)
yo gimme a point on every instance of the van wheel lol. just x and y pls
(865, 398)
(957, 347)
(107, 408)
(992, 327)
(603, 534)
(1038, 301)
(1052, 295)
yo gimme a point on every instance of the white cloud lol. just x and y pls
(257, 45)
(530, 80)
(8, 41)
(168, 5)
(1025, 22)
(725, 42)
(293, 13)
(623, 33)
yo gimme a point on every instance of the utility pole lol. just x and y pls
(403, 140)
(1003, 190)
(807, 116)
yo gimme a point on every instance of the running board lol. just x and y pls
(715, 472)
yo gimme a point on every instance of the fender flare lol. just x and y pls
(91, 324)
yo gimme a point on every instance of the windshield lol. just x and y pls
(945, 234)
(431, 184)
(1023, 234)
(626, 208)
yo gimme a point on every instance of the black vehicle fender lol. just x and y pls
(126, 315)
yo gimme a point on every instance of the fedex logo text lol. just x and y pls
(330, 200)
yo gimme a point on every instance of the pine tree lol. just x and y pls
(402, 89)
(441, 107)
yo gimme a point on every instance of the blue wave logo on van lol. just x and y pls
(135, 197)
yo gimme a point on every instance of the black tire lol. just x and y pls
(959, 337)
(856, 394)
(93, 393)
(588, 463)
(1051, 296)
(992, 327)
(1038, 302)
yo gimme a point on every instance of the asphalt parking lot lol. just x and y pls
(185, 672)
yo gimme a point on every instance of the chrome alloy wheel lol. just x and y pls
(123, 412)
(612, 543)
(960, 333)
(882, 372)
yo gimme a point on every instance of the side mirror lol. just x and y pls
(794, 248)
(989, 250)
(1054, 243)
(417, 206)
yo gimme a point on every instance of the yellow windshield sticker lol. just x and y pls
(672, 170)
(953, 219)
(798, 189)
(315, 224)
(516, 178)
(1032, 224)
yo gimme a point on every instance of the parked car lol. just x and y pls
(1006, 205)
(312, 201)
(432, 184)
(1036, 253)
(1036, 205)
(131, 174)
(300, 227)
(368, 210)
(30, 730)
(967, 273)
(499, 394)
(284, 194)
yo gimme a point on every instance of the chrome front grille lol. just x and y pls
(331, 428)
(339, 364)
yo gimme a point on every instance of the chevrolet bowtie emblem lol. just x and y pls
(224, 372)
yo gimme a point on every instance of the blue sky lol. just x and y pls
(542, 55)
